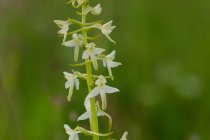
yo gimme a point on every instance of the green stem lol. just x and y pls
(94, 117)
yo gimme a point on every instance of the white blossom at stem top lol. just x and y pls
(106, 29)
(124, 137)
(96, 10)
(109, 63)
(91, 52)
(72, 80)
(102, 89)
(73, 135)
(64, 25)
(87, 114)
(76, 42)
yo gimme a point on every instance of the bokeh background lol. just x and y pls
(164, 80)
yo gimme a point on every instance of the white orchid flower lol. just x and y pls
(91, 52)
(73, 135)
(102, 89)
(87, 114)
(109, 63)
(64, 25)
(124, 137)
(76, 42)
(106, 29)
(72, 80)
(96, 10)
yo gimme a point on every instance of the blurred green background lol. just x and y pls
(164, 80)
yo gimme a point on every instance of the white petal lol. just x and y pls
(111, 55)
(87, 104)
(85, 54)
(61, 31)
(108, 23)
(71, 88)
(61, 23)
(94, 61)
(77, 83)
(104, 101)
(71, 137)
(70, 43)
(96, 10)
(124, 137)
(110, 72)
(67, 84)
(109, 89)
(98, 50)
(113, 64)
(76, 137)
(107, 28)
(68, 129)
(67, 75)
(93, 93)
(84, 116)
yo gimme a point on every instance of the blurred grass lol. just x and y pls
(164, 80)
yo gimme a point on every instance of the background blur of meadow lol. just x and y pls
(164, 46)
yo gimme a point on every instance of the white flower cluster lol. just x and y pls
(90, 54)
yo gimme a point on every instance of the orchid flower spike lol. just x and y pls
(72, 80)
(109, 63)
(87, 114)
(91, 52)
(102, 89)
(76, 42)
(64, 25)
(73, 135)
